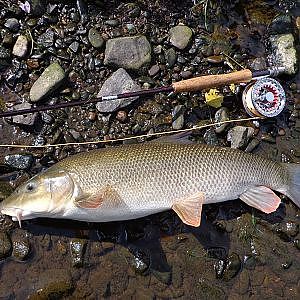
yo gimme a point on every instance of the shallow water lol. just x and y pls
(238, 252)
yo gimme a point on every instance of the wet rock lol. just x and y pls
(49, 81)
(119, 82)
(229, 268)
(46, 39)
(180, 36)
(112, 22)
(52, 284)
(221, 115)
(208, 290)
(5, 245)
(259, 63)
(21, 247)
(233, 266)
(121, 115)
(12, 24)
(19, 161)
(21, 46)
(186, 74)
(239, 136)
(95, 38)
(139, 261)
(284, 52)
(215, 59)
(252, 145)
(281, 24)
(25, 119)
(286, 230)
(210, 137)
(154, 70)
(83, 10)
(297, 243)
(266, 137)
(74, 46)
(38, 7)
(5, 189)
(4, 53)
(128, 52)
(77, 249)
(171, 57)
(164, 277)
(178, 117)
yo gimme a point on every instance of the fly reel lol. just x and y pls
(264, 98)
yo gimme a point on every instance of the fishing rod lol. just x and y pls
(189, 85)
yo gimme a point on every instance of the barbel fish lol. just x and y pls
(132, 181)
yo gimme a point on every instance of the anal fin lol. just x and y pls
(262, 198)
(189, 209)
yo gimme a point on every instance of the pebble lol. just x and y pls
(121, 115)
(252, 145)
(46, 39)
(25, 119)
(154, 70)
(186, 74)
(228, 268)
(5, 245)
(74, 46)
(239, 136)
(77, 249)
(233, 266)
(215, 59)
(5, 188)
(95, 38)
(52, 284)
(180, 36)
(4, 53)
(21, 46)
(284, 52)
(112, 22)
(171, 57)
(178, 117)
(21, 249)
(12, 24)
(119, 82)
(286, 230)
(19, 161)
(210, 137)
(128, 52)
(281, 24)
(221, 115)
(50, 80)
(266, 137)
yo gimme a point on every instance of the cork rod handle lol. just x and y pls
(211, 81)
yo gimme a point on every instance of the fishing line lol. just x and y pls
(147, 135)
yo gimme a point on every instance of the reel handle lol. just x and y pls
(211, 81)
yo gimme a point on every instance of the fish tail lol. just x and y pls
(293, 189)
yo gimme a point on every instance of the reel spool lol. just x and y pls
(264, 98)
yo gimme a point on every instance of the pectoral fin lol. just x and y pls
(107, 197)
(189, 209)
(89, 201)
(261, 198)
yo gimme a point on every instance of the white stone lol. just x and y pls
(21, 46)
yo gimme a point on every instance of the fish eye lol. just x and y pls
(30, 187)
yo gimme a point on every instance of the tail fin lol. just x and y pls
(293, 190)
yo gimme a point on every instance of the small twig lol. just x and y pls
(235, 61)
(205, 14)
(132, 137)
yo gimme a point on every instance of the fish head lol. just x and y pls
(44, 195)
